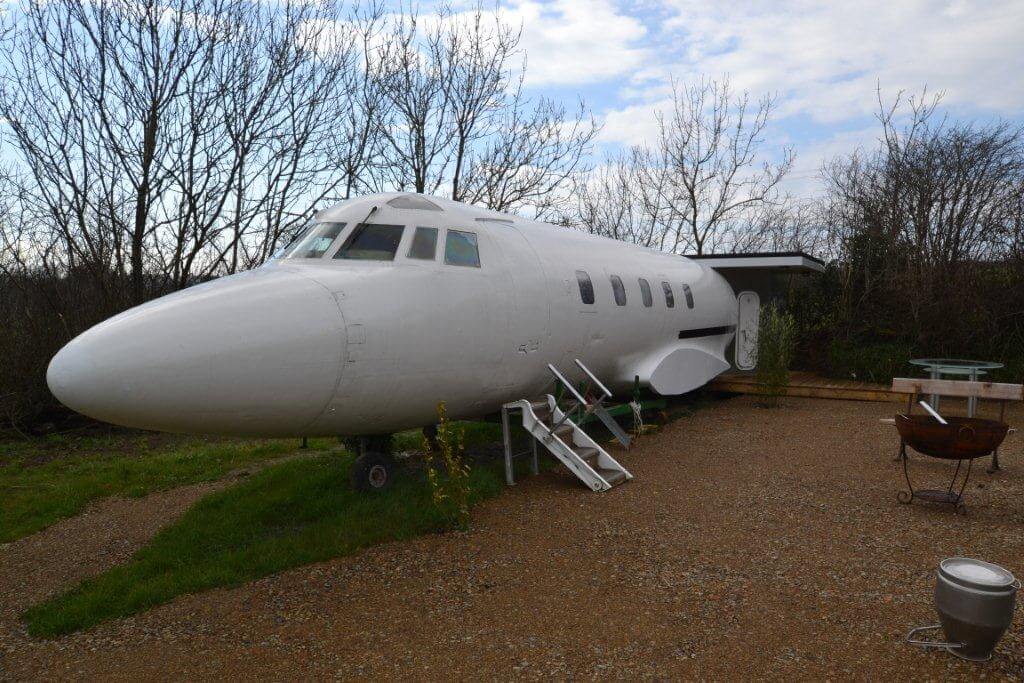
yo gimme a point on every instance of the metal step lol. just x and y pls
(613, 477)
(574, 448)
(565, 431)
(588, 455)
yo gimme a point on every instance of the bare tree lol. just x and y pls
(710, 145)
(419, 133)
(531, 156)
(176, 140)
(704, 185)
(786, 225)
(459, 121)
(621, 199)
(923, 222)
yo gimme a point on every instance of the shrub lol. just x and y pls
(776, 345)
(449, 490)
(865, 361)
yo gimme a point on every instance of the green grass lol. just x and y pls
(47, 480)
(290, 514)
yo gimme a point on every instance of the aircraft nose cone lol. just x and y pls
(253, 354)
(66, 378)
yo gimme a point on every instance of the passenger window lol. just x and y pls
(619, 289)
(689, 296)
(372, 242)
(586, 287)
(645, 292)
(460, 249)
(670, 299)
(424, 244)
(319, 239)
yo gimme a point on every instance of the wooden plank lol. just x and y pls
(810, 387)
(951, 387)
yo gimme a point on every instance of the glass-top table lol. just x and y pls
(971, 369)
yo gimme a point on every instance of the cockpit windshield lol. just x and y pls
(371, 242)
(314, 241)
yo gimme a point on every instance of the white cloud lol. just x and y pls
(633, 125)
(825, 59)
(577, 42)
(825, 62)
(804, 179)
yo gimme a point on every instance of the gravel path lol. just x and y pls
(753, 542)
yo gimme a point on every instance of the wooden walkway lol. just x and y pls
(809, 385)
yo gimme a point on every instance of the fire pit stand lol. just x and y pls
(935, 495)
(956, 438)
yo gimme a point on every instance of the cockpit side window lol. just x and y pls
(670, 299)
(424, 244)
(292, 244)
(460, 249)
(316, 241)
(372, 242)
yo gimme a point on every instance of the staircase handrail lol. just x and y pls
(593, 379)
(567, 384)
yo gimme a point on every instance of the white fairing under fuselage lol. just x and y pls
(311, 344)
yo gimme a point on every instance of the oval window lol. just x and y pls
(619, 289)
(670, 299)
(645, 293)
(586, 287)
(689, 296)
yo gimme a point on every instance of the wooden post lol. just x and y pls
(994, 465)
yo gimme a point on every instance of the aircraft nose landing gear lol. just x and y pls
(373, 472)
(374, 467)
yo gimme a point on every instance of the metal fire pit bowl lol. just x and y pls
(962, 438)
(975, 602)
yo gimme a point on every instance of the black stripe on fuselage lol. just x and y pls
(705, 331)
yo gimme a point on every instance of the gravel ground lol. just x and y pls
(753, 543)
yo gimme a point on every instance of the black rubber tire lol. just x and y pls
(373, 472)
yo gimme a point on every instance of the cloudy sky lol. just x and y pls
(823, 60)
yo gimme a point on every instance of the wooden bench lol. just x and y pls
(993, 391)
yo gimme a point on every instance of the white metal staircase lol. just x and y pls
(564, 439)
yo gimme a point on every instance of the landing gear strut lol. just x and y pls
(374, 467)
(430, 434)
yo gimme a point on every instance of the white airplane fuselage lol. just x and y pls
(343, 346)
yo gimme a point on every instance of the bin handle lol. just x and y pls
(911, 640)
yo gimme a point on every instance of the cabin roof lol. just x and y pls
(793, 261)
(411, 201)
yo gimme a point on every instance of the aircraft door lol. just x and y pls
(746, 330)
(575, 317)
(528, 320)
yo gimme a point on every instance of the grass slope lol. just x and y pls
(288, 515)
(45, 481)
